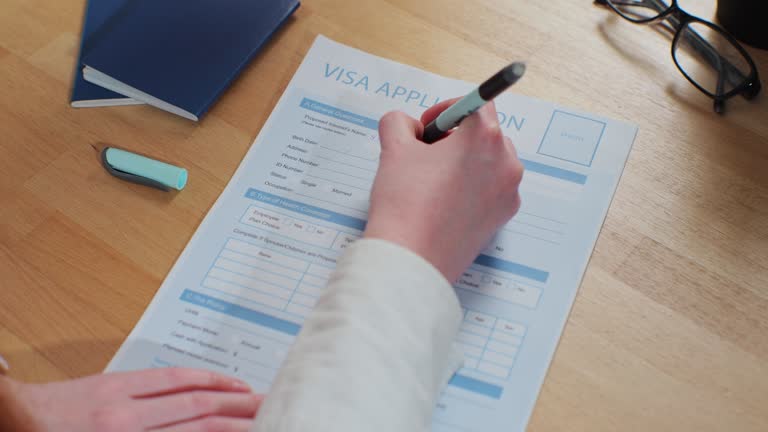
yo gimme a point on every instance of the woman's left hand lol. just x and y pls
(159, 400)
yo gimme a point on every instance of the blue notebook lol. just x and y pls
(85, 94)
(180, 55)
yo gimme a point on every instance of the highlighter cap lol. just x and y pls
(143, 170)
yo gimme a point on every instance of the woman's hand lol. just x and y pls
(161, 400)
(446, 200)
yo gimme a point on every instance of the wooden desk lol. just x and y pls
(670, 328)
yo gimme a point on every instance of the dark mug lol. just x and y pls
(747, 20)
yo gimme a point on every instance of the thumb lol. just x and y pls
(397, 128)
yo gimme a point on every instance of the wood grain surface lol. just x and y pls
(670, 327)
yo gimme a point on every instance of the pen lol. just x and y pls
(140, 169)
(451, 117)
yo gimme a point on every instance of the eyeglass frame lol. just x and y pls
(679, 18)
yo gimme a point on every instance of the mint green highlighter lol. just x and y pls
(143, 170)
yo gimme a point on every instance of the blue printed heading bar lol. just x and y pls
(340, 114)
(515, 268)
(236, 311)
(476, 386)
(563, 174)
(306, 209)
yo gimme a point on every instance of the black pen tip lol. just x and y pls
(514, 72)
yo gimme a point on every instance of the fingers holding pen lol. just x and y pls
(397, 128)
(432, 112)
(483, 126)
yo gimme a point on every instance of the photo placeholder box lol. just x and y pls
(572, 138)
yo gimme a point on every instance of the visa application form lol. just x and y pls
(238, 294)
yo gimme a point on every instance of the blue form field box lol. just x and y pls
(572, 138)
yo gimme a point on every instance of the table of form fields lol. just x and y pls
(275, 268)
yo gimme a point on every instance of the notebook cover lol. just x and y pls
(185, 52)
(96, 14)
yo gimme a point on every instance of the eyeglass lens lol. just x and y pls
(709, 59)
(639, 10)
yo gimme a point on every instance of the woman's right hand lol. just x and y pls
(444, 201)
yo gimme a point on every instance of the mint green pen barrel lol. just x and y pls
(171, 176)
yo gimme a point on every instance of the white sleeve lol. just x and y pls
(376, 351)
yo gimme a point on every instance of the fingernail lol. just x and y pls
(4, 366)
(240, 385)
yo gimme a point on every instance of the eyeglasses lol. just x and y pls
(707, 55)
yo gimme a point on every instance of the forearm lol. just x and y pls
(376, 351)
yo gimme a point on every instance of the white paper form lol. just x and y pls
(237, 296)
